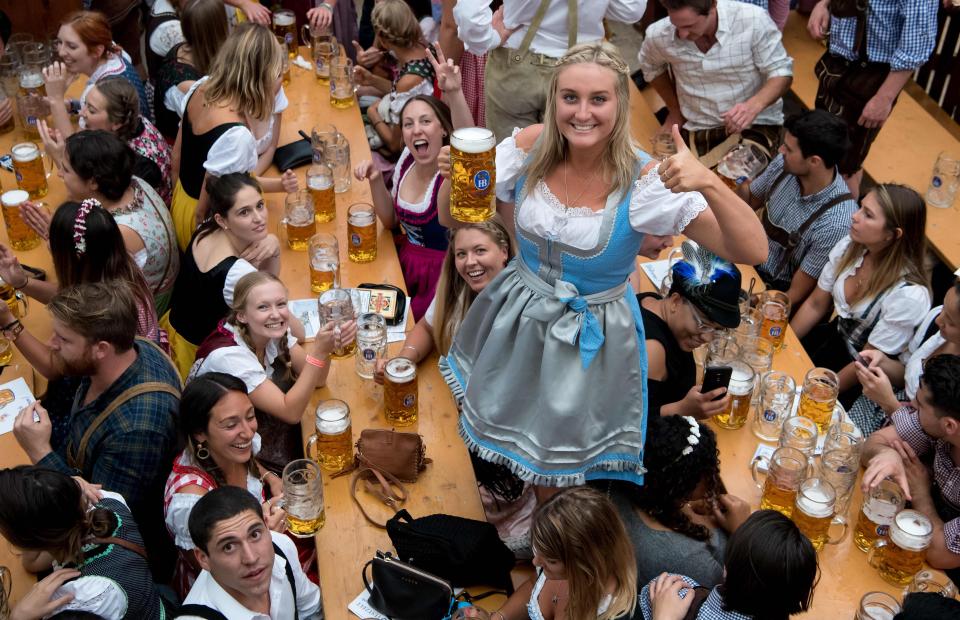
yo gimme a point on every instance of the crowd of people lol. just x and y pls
(177, 376)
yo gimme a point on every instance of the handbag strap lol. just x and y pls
(382, 488)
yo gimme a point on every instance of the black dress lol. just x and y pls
(681, 368)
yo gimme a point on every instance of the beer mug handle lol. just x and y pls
(305, 36)
(310, 447)
(22, 299)
(755, 470)
(838, 520)
(282, 232)
(873, 556)
(48, 168)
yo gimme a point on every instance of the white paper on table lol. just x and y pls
(308, 312)
(656, 271)
(361, 608)
(766, 450)
(22, 396)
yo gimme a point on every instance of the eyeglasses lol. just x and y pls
(702, 325)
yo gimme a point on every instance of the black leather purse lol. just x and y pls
(402, 592)
(293, 155)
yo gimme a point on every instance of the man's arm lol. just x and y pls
(882, 460)
(742, 115)
(626, 11)
(475, 26)
(667, 90)
(801, 285)
(939, 554)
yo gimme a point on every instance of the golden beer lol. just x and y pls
(325, 49)
(305, 528)
(362, 233)
(336, 305)
(741, 393)
(285, 27)
(799, 433)
(342, 87)
(400, 392)
(819, 396)
(21, 236)
(324, 275)
(28, 167)
(877, 513)
(901, 557)
(472, 155)
(342, 98)
(773, 323)
(334, 438)
(6, 351)
(299, 233)
(813, 511)
(298, 220)
(17, 303)
(785, 470)
(320, 186)
(303, 497)
(777, 498)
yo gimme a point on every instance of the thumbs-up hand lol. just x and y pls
(683, 172)
(367, 57)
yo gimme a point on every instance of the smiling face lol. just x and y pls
(240, 557)
(869, 225)
(689, 325)
(422, 132)
(94, 112)
(586, 104)
(477, 257)
(230, 430)
(247, 218)
(75, 54)
(265, 312)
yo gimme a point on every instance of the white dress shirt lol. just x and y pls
(474, 19)
(206, 591)
(748, 52)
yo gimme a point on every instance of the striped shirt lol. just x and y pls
(900, 33)
(712, 608)
(906, 420)
(789, 209)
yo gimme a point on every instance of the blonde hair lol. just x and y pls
(620, 156)
(580, 528)
(245, 70)
(241, 294)
(905, 209)
(395, 23)
(453, 296)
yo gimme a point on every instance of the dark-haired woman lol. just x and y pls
(771, 571)
(232, 243)
(46, 516)
(666, 533)
(219, 431)
(703, 298)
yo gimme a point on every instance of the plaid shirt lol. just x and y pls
(748, 52)
(130, 453)
(906, 420)
(901, 33)
(788, 209)
(712, 608)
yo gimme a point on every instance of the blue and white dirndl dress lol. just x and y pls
(550, 362)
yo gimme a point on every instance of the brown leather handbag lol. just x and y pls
(402, 455)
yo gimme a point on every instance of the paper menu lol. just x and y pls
(309, 314)
(656, 271)
(14, 396)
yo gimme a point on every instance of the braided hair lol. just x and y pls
(241, 292)
(674, 475)
(395, 23)
(123, 106)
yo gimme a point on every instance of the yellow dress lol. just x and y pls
(183, 210)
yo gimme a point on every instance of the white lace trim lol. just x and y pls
(692, 203)
(554, 203)
(511, 146)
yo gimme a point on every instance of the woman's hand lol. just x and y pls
(263, 250)
(448, 74)
(10, 269)
(875, 357)
(730, 512)
(345, 333)
(366, 171)
(274, 514)
(255, 12)
(876, 386)
(369, 57)
(56, 78)
(683, 172)
(38, 602)
(53, 141)
(320, 17)
(37, 218)
(363, 77)
(289, 181)
(701, 405)
(443, 162)
(325, 341)
(665, 601)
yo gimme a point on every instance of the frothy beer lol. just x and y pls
(472, 160)
(813, 512)
(741, 392)
(21, 236)
(876, 514)
(902, 556)
(334, 437)
(362, 233)
(285, 27)
(400, 392)
(28, 167)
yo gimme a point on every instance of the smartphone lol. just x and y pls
(716, 377)
(855, 355)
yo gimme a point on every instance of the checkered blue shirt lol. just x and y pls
(789, 210)
(906, 420)
(901, 33)
(712, 608)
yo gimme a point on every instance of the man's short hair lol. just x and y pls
(701, 7)
(820, 133)
(218, 505)
(928, 606)
(941, 376)
(98, 311)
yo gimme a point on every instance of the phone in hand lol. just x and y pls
(716, 377)
(854, 355)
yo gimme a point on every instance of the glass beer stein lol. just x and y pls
(400, 392)
(786, 469)
(472, 154)
(324, 49)
(840, 469)
(15, 300)
(741, 163)
(800, 433)
(362, 232)
(928, 581)
(740, 391)
(343, 89)
(877, 606)
(29, 169)
(819, 397)
(877, 511)
(944, 182)
(777, 391)
(303, 498)
(21, 236)
(298, 223)
(900, 557)
(324, 254)
(321, 188)
(774, 317)
(371, 343)
(336, 305)
(333, 439)
(285, 27)
(814, 512)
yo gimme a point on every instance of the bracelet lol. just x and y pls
(9, 325)
(325, 5)
(264, 476)
(499, 613)
(26, 281)
(412, 348)
(14, 329)
(315, 361)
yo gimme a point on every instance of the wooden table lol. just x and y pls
(845, 575)
(347, 541)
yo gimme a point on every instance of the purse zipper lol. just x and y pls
(419, 573)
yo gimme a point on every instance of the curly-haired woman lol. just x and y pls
(679, 520)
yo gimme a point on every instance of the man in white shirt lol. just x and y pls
(523, 41)
(729, 70)
(249, 572)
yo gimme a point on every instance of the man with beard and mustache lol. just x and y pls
(122, 431)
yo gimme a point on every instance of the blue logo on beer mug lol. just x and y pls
(775, 331)
(936, 181)
(769, 415)
(481, 180)
(355, 240)
(408, 400)
(369, 354)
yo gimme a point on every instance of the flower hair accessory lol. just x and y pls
(80, 225)
(693, 438)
